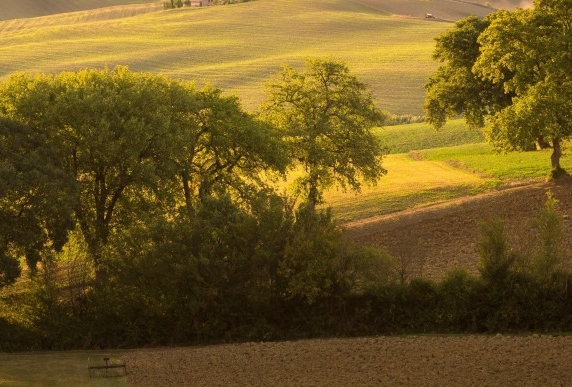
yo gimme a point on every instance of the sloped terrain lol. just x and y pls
(430, 241)
(442, 9)
(10, 9)
(449, 10)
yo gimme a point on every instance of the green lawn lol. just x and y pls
(408, 137)
(57, 369)
(510, 166)
(236, 48)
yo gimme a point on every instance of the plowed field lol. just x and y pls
(385, 361)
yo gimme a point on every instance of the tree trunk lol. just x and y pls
(313, 193)
(556, 155)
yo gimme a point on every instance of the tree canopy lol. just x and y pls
(135, 143)
(514, 67)
(35, 205)
(325, 116)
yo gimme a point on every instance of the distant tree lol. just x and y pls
(325, 116)
(524, 57)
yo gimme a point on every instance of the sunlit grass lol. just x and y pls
(507, 166)
(409, 183)
(405, 138)
(439, 174)
(236, 48)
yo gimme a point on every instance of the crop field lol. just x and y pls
(237, 48)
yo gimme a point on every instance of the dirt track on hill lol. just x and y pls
(384, 361)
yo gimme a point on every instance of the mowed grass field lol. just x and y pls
(61, 369)
(236, 48)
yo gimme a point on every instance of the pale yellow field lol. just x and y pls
(408, 183)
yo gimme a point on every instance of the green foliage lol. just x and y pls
(454, 89)
(311, 262)
(497, 261)
(519, 65)
(551, 250)
(325, 116)
(35, 199)
(127, 140)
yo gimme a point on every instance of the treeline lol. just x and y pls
(237, 279)
(135, 201)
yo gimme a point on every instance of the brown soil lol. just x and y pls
(431, 241)
(384, 361)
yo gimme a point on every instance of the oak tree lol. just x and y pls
(524, 57)
(325, 115)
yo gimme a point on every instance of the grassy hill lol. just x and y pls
(11, 9)
(237, 48)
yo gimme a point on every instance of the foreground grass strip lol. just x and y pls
(409, 183)
(56, 369)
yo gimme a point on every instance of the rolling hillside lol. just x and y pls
(236, 48)
(10, 9)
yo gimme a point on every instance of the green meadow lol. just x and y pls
(238, 48)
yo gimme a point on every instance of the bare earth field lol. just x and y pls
(433, 240)
(382, 361)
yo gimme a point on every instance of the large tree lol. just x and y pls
(325, 115)
(524, 57)
(136, 143)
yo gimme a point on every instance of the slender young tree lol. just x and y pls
(325, 115)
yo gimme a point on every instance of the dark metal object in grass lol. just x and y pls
(111, 368)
